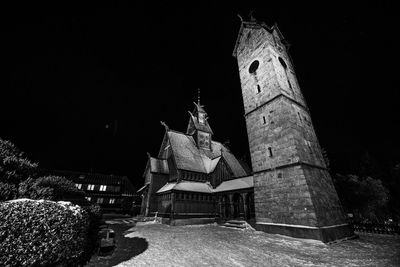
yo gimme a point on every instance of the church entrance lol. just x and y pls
(238, 207)
(250, 205)
(225, 207)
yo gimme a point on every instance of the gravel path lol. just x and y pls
(213, 245)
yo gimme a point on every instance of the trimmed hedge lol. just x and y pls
(43, 233)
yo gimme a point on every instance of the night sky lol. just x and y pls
(84, 87)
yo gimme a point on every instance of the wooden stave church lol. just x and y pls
(195, 179)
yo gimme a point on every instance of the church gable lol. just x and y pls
(220, 173)
(162, 154)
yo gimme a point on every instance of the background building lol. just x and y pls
(113, 193)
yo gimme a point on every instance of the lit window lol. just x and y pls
(90, 187)
(112, 200)
(99, 200)
(103, 187)
(79, 186)
(88, 198)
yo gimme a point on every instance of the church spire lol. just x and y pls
(198, 96)
(198, 125)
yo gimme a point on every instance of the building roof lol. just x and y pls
(159, 165)
(187, 186)
(94, 178)
(201, 187)
(205, 127)
(189, 157)
(258, 25)
(235, 184)
(143, 187)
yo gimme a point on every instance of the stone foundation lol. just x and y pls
(325, 234)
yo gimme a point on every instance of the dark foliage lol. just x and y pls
(14, 168)
(365, 197)
(394, 188)
(7, 191)
(95, 215)
(42, 233)
(51, 188)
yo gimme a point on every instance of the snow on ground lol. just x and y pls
(212, 245)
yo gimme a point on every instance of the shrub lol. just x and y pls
(42, 233)
(95, 215)
(14, 167)
(51, 188)
(7, 191)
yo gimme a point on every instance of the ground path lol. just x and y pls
(149, 244)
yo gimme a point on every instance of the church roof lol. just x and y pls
(159, 165)
(201, 187)
(235, 184)
(189, 157)
(205, 127)
(187, 186)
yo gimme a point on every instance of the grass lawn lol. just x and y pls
(212, 245)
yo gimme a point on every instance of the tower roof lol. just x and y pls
(255, 24)
(194, 120)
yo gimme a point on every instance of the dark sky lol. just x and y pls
(71, 71)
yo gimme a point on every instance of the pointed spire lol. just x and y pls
(198, 96)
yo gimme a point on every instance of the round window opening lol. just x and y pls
(254, 66)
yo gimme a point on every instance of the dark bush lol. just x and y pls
(42, 233)
(95, 216)
(14, 167)
(51, 188)
(7, 191)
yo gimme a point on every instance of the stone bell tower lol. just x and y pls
(294, 193)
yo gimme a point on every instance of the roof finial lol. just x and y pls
(198, 96)
(252, 18)
(165, 125)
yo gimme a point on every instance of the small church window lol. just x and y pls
(258, 88)
(264, 120)
(282, 63)
(298, 113)
(270, 152)
(254, 66)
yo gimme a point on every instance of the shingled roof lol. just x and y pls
(189, 157)
(201, 187)
(193, 123)
(159, 165)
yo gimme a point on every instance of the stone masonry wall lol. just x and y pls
(291, 184)
(282, 196)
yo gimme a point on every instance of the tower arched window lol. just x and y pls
(254, 66)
